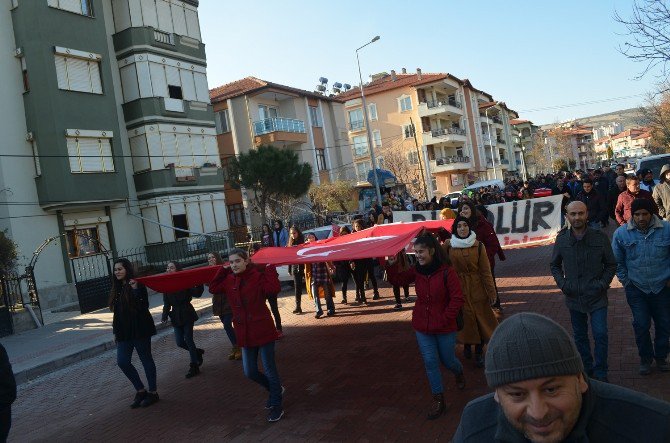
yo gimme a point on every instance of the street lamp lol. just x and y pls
(367, 123)
(488, 127)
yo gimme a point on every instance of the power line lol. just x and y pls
(592, 102)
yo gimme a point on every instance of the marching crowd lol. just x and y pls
(548, 385)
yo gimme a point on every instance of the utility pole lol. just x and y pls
(418, 155)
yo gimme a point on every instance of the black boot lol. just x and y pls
(437, 408)
(193, 370)
(200, 354)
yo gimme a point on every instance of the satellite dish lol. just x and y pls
(321, 88)
(337, 85)
(323, 80)
(336, 90)
(347, 86)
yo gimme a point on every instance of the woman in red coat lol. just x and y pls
(247, 287)
(438, 300)
(487, 235)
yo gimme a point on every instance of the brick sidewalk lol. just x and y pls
(357, 376)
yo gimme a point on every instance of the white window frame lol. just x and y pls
(315, 116)
(377, 138)
(66, 60)
(413, 158)
(73, 140)
(222, 117)
(321, 160)
(407, 131)
(360, 146)
(405, 103)
(362, 120)
(75, 6)
(36, 158)
(372, 112)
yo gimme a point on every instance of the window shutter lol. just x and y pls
(140, 152)
(178, 19)
(172, 76)
(149, 14)
(129, 83)
(199, 150)
(61, 72)
(70, 5)
(77, 71)
(192, 24)
(158, 82)
(208, 220)
(212, 150)
(94, 72)
(187, 84)
(106, 153)
(201, 90)
(73, 154)
(89, 150)
(184, 150)
(164, 16)
(152, 231)
(169, 143)
(155, 150)
(193, 215)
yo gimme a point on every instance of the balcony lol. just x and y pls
(504, 163)
(450, 163)
(150, 183)
(501, 141)
(168, 107)
(496, 120)
(279, 131)
(445, 135)
(449, 106)
(488, 141)
(146, 36)
(163, 37)
(356, 126)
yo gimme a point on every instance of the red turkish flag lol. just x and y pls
(377, 241)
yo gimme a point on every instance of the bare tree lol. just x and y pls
(656, 114)
(648, 29)
(397, 161)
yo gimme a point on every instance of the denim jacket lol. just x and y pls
(643, 259)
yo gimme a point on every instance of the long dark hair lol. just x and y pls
(293, 242)
(176, 264)
(473, 211)
(217, 257)
(121, 288)
(429, 241)
(454, 227)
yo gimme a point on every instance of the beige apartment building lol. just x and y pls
(252, 112)
(457, 134)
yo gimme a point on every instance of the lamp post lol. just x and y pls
(367, 123)
(488, 127)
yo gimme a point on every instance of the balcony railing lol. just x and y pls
(441, 161)
(279, 124)
(518, 162)
(496, 120)
(356, 125)
(451, 102)
(163, 37)
(500, 140)
(504, 161)
(447, 131)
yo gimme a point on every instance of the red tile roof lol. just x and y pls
(518, 121)
(386, 83)
(252, 84)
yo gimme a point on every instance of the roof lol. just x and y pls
(386, 83)
(487, 105)
(250, 84)
(518, 121)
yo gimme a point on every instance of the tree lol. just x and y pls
(648, 29)
(656, 115)
(8, 253)
(538, 154)
(334, 196)
(271, 174)
(396, 160)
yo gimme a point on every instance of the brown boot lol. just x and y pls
(437, 408)
(231, 356)
(238, 353)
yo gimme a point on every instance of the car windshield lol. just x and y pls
(655, 165)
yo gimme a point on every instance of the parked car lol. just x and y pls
(325, 232)
(475, 186)
(653, 162)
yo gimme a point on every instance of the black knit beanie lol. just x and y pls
(641, 203)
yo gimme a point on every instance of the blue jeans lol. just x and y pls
(436, 348)
(646, 307)
(124, 355)
(183, 335)
(269, 380)
(227, 320)
(330, 305)
(580, 330)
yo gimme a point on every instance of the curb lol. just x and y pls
(31, 374)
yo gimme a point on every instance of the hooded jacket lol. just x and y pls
(662, 193)
(280, 236)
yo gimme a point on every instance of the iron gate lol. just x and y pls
(92, 280)
(18, 292)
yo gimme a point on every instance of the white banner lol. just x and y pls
(517, 224)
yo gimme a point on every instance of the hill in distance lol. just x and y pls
(629, 118)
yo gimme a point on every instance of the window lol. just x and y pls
(222, 122)
(236, 215)
(362, 170)
(321, 159)
(36, 159)
(24, 75)
(372, 111)
(175, 92)
(433, 183)
(380, 162)
(315, 116)
(405, 103)
(265, 111)
(82, 7)
(82, 241)
(78, 74)
(376, 139)
(360, 146)
(89, 154)
(356, 119)
(413, 158)
(408, 131)
(180, 221)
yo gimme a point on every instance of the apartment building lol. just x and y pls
(252, 112)
(107, 117)
(439, 122)
(630, 143)
(524, 132)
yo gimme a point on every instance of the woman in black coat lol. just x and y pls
(177, 306)
(133, 327)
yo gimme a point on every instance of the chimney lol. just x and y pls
(418, 73)
(404, 70)
(393, 76)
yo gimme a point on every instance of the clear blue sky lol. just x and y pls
(531, 54)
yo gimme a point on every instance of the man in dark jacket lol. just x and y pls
(613, 195)
(7, 394)
(542, 395)
(600, 182)
(583, 266)
(595, 203)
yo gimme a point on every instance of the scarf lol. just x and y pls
(428, 269)
(463, 243)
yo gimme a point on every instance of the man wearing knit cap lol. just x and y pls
(661, 193)
(642, 251)
(542, 395)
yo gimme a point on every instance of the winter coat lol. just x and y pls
(437, 304)
(596, 205)
(280, 237)
(247, 293)
(487, 235)
(609, 413)
(177, 306)
(583, 269)
(308, 283)
(220, 305)
(474, 273)
(132, 323)
(622, 210)
(661, 194)
(7, 380)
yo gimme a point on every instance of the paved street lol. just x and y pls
(357, 376)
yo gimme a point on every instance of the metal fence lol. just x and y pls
(18, 292)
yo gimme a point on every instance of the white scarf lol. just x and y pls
(463, 243)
